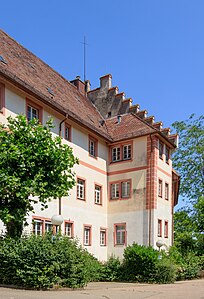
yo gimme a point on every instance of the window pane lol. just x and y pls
(97, 194)
(37, 227)
(116, 154)
(120, 234)
(68, 229)
(80, 189)
(125, 189)
(126, 152)
(115, 190)
(32, 113)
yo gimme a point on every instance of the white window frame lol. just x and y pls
(48, 226)
(37, 230)
(126, 185)
(127, 152)
(30, 114)
(116, 154)
(120, 234)
(115, 190)
(87, 235)
(160, 187)
(80, 189)
(68, 229)
(166, 191)
(98, 192)
(102, 237)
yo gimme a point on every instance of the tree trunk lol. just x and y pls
(14, 229)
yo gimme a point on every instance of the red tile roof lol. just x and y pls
(30, 72)
(25, 70)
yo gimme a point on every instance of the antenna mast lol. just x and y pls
(85, 44)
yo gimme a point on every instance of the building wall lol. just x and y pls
(139, 215)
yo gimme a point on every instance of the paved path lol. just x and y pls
(193, 289)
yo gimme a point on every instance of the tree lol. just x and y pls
(34, 167)
(188, 159)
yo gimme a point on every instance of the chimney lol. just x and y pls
(79, 84)
(106, 81)
(87, 86)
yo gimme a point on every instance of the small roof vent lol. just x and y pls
(50, 91)
(2, 59)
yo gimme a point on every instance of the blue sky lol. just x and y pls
(154, 49)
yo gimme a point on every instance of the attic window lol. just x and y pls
(50, 91)
(2, 59)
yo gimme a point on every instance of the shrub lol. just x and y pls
(139, 263)
(39, 262)
(111, 270)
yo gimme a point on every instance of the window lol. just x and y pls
(81, 189)
(67, 134)
(119, 190)
(33, 111)
(120, 234)
(125, 189)
(93, 147)
(159, 233)
(166, 229)
(127, 152)
(114, 191)
(103, 237)
(87, 235)
(161, 149)
(37, 227)
(121, 152)
(48, 226)
(160, 188)
(166, 191)
(69, 229)
(2, 97)
(115, 154)
(167, 154)
(98, 195)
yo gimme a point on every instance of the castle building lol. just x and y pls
(126, 188)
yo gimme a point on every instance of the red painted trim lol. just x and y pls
(114, 234)
(43, 219)
(2, 98)
(90, 236)
(36, 106)
(92, 167)
(120, 189)
(91, 138)
(83, 179)
(163, 171)
(127, 170)
(101, 194)
(70, 132)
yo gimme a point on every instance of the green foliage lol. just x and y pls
(32, 163)
(140, 263)
(111, 270)
(188, 265)
(188, 159)
(39, 262)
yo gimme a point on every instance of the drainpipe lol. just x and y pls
(60, 134)
(150, 210)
